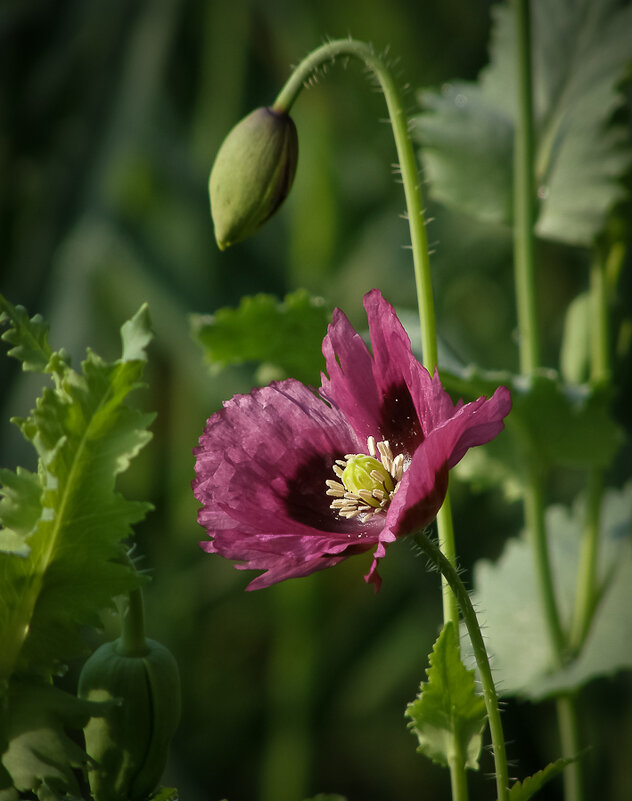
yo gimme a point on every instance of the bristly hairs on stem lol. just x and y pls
(444, 555)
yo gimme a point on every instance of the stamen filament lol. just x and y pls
(355, 470)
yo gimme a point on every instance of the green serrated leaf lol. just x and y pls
(69, 518)
(507, 595)
(136, 334)
(526, 789)
(20, 509)
(29, 337)
(286, 336)
(448, 716)
(467, 151)
(39, 756)
(165, 794)
(580, 55)
(559, 424)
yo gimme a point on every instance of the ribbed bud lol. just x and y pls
(252, 174)
(130, 742)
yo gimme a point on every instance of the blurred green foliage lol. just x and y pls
(110, 114)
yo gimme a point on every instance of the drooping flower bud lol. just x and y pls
(252, 174)
(130, 742)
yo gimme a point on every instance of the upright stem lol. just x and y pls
(536, 529)
(421, 262)
(600, 368)
(524, 259)
(586, 590)
(571, 746)
(458, 778)
(132, 640)
(445, 532)
(482, 661)
(600, 373)
(524, 200)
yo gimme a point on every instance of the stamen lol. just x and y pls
(373, 485)
(386, 455)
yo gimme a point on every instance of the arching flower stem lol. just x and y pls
(407, 162)
(416, 222)
(421, 262)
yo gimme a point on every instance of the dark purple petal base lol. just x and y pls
(263, 460)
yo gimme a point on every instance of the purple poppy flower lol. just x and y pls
(293, 482)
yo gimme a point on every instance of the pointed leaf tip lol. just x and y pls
(526, 789)
(136, 334)
(448, 716)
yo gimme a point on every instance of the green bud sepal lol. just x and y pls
(252, 174)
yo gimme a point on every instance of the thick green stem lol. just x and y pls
(458, 776)
(569, 736)
(132, 641)
(524, 200)
(482, 661)
(600, 374)
(600, 369)
(586, 593)
(445, 532)
(524, 259)
(534, 509)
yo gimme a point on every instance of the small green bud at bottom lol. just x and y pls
(130, 742)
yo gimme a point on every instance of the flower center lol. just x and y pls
(366, 483)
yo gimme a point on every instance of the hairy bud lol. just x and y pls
(252, 174)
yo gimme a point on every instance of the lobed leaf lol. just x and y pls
(556, 423)
(581, 52)
(526, 789)
(285, 336)
(507, 595)
(38, 755)
(165, 794)
(448, 716)
(20, 508)
(29, 337)
(64, 527)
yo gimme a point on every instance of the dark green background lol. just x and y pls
(110, 114)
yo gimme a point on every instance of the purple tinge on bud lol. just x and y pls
(252, 174)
